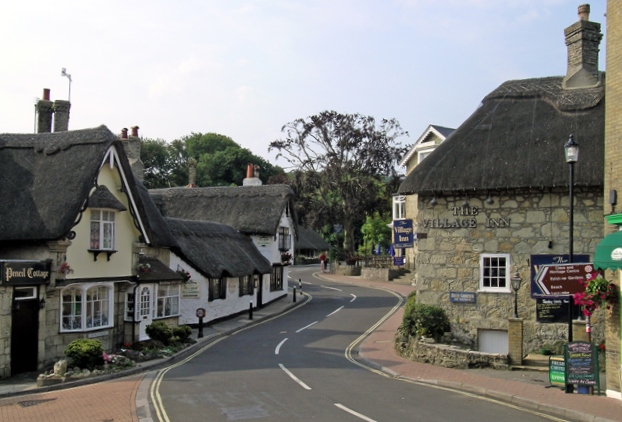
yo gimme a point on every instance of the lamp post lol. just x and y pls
(571, 150)
(516, 281)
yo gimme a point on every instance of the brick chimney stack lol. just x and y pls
(252, 176)
(131, 145)
(582, 39)
(44, 113)
(61, 115)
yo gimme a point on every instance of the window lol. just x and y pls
(246, 286)
(276, 279)
(85, 308)
(494, 273)
(217, 288)
(168, 301)
(102, 230)
(421, 155)
(285, 239)
(399, 207)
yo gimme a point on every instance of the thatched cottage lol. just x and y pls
(493, 199)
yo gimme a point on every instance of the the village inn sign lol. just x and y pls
(465, 217)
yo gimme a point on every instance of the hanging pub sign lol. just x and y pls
(18, 272)
(402, 233)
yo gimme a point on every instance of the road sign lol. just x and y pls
(562, 280)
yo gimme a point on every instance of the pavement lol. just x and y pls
(125, 396)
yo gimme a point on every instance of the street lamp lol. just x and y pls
(516, 281)
(571, 149)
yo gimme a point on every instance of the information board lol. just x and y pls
(552, 310)
(557, 371)
(581, 364)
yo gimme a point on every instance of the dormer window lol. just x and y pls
(102, 232)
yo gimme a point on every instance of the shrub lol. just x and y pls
(421, 320)
(160, 331)
(85, 353)
(183, 332)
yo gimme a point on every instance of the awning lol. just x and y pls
(608, 253)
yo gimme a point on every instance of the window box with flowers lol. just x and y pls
(286, 258)
(598, 293)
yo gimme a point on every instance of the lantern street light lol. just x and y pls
(516, 281)
(571, 150)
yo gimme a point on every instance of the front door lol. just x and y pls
(145, 304)
(24, 333)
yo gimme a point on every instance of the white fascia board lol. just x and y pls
(111, 158)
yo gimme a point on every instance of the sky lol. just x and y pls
(246, 68)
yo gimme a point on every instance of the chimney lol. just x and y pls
(44, 113)
(61, 115)
(131, 145)
(252, 176)
(582, 39)
(192, 173)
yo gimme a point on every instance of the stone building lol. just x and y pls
(493, 199)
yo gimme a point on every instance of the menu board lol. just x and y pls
(581, 364)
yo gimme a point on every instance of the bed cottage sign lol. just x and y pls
(464, 218)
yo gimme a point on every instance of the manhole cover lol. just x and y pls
(29, 403)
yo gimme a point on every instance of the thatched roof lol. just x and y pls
(249, 209)
(516, 138)
(46, 180)
(217, 250)
(309, 239)
(103, 198)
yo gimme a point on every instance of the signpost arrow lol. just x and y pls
(563, 279)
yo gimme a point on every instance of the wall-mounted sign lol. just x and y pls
(554, 310)
(462, 297)
(190, 290)
(264, 240)
(545, 259)
(403, 233)
(464, 218)
(25, 272)
(563, 279)
(398, 261)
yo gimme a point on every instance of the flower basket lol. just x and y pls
(184, 274)
(598, 292)
(143, 268)
(63, 270)
(286, 258)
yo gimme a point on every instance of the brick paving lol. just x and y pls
(117, 400)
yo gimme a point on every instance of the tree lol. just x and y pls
(342, 162)
(220, 161)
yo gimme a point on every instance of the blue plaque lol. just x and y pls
(462, 297)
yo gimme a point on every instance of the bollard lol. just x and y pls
(300, 284)
(294, 295)
(250, 310)
(200, 327)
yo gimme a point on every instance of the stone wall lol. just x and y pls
(613, 169)
(383, 274)
(448, 356)
(520, 224)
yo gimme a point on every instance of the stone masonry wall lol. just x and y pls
(613, 167)
(519, 224)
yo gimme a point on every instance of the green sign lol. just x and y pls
(557, 371)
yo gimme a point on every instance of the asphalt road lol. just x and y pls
(300, 366)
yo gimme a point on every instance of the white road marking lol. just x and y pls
(304, 328)
(335, 311)
(333, 288)
(352, 412)
(305, 386)
(353, 297)
(276, 351)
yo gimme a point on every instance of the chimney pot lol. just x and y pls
(135, 131)
(46, 94)
(124, 133)
(584, 12)
(249, 170)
